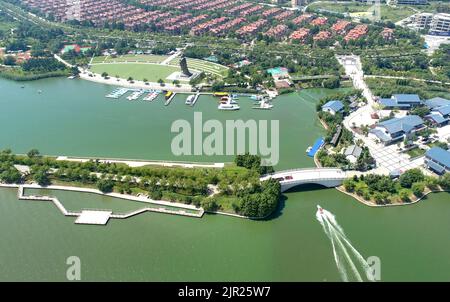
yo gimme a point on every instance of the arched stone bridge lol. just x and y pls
(328, 177)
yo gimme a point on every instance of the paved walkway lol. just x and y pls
(142, 163)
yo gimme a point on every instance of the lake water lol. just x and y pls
(72, 117)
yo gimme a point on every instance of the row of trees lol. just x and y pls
(383, 189)
(189, 186)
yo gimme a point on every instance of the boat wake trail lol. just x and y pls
(350, 263)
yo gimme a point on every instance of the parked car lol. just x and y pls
(289, 177)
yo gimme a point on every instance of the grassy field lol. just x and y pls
(130, 58)
(146, 66)
(200, 65)
(387, 13)
(137, 71)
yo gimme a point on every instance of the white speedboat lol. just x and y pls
(265, 105)
(308, 149)
(190, 99)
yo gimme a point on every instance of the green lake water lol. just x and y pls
(72, 117)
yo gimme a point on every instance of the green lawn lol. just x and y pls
(415, 152)
(130, 58)
(200, 65)
(137, 71)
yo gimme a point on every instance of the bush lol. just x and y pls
(404, 195)
(105, 185)
(418, 188)
(349, 185)
(209, 204)
(410, 177)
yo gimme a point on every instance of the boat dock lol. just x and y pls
(170, 98)
(117, 93)
(316, 147)
(195, 99)
(101, 217)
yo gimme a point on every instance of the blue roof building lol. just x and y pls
(438, 160)
(397, 128)
(333, 107)
(436, 102)
(439, 116)
(401, 101)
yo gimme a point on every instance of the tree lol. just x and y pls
(410, 177)
(9, 60)
(130, 79)
(41, 177)
(33, 153)
(104, 75)
(444, 181)
(176, 82)
(105, 185)
(404, 195)
(10, 176)
(156, 194)
(418, 188)
(349, 185)
(209, 204)
(161, 82)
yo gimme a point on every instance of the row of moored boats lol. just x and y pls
(150, 94)
(230, 102)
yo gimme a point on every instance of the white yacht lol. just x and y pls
(228, 105)
(264, 104)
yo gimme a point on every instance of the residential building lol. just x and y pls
(352, 153)
(439, 116)
(387, 33)
(333, 107)
(396, 129)
(436, 102)
(438, 160)
(401, 101)
(423, 20)
(440, 25)
(411, 2)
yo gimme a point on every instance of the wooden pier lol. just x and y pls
(101, 217)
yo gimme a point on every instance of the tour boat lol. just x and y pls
(227, 99)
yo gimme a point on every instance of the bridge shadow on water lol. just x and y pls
(282, 202)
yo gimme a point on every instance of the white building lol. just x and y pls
(423, 20)
(440, 25)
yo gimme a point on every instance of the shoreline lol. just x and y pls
(127, 197)
(97, 78)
